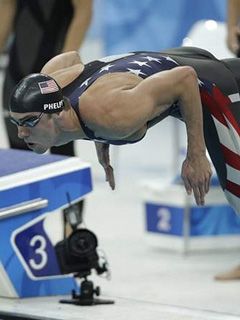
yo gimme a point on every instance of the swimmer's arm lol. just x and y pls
(7, 13)
(104, 159)
(179, 84)
(64, 68)
(62, 61)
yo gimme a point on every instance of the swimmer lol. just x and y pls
(115, 100)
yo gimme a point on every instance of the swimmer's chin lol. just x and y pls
(40, 151)
(37, 148)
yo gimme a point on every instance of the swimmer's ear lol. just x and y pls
(67, 105)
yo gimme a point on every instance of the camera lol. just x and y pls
(78, 254)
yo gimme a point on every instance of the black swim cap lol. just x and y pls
(37, 93)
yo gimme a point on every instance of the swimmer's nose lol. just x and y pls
(23, 132)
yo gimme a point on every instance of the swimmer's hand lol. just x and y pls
(196, 175)
(104, 159)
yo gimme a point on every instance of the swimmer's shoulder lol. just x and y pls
(64, 68)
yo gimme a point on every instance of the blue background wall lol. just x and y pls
(126, 25)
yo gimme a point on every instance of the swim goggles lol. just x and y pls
(29, 122)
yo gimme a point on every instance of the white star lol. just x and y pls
(106, 68)
(153, 59)
(140, 63)
(85, 83)
(170, 59)
(200, 82)
(137, 72)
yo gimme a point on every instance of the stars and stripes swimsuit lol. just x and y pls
(219, 83)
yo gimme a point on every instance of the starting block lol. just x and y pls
(33, 193)
(173, 220)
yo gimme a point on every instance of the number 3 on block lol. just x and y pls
(39, 243)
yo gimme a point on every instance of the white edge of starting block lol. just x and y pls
(6, 287)
(42, 172)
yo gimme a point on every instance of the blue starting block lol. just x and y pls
(173, 221)
(33, 192)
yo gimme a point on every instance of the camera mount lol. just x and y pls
(86, 297)
(77, 254)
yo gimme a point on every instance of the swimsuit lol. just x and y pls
(219, 83)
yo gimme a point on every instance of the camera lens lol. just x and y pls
(82, 242)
